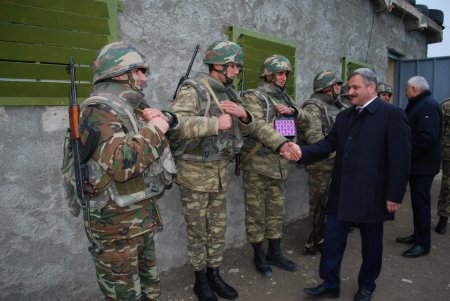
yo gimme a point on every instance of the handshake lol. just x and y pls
(290, 151)
(157, 118)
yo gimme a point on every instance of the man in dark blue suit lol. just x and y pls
(425, 118)
(373, 148)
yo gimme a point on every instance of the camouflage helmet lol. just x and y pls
(325, 78)
(273, 64)
(223, 52)
(116, 59)
(384, 87)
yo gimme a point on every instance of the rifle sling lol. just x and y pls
(88, 149)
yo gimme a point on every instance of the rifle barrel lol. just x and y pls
(186, 76)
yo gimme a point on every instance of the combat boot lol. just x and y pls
(275, 257)
(441, 226)
(201, 287)
(259, 258)
(219, 286)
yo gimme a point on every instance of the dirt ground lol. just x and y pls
(424, 278)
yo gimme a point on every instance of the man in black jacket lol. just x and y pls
(425, 118)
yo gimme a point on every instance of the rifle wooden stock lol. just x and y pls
(80, 169)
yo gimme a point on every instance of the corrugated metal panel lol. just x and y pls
(435, 70)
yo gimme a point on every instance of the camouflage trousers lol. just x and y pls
(264, 207)
(317, 182)
(444, 195)
(205, 214)
(126, 270)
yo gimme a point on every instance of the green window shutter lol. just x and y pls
(37, 38)
(348, 66)
(257, 47)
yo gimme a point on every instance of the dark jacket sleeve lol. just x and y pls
(398, 156)
(320, 149)
(427, 130)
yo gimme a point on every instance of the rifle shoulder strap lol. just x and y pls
(204, 81)
(260, 96)
(326, 124)
(202, 93)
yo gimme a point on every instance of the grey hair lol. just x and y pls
(418, 82)
(367, 74)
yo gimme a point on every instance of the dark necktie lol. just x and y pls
(359, 110)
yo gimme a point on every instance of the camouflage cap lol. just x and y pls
(116, 59)
(223, 52)
(273, 64)
(384, 87)
(325, 78)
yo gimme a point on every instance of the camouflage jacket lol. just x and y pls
(445, 137)
(123, 155)
(262, 158)
(212, 175)
(317, 126)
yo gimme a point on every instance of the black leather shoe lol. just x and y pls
(363, 295)
(322, 291)
(416, 251)
(441, 226)
(406, 240)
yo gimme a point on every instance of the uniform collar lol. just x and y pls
(133, 97)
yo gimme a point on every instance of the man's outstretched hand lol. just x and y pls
(290, 151)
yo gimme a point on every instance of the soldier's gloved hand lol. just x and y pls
(150, 113)
(225, 122)
(160, 123)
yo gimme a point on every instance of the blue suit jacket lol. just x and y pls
(373, 151)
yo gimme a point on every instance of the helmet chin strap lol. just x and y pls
(130, 81)
(335, 94)
(228, 80)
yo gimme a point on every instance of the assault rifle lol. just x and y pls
(320, 212)
(81, 154)
(186, 76)
(238, 157)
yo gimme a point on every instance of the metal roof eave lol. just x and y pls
(412, 18)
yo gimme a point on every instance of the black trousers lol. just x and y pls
(333, 248)
(420, 187)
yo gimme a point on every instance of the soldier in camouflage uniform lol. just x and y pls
(130, 166)
(264, 170)
(212, 123)
(385, 92)
(322, 107)
(444, 195)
